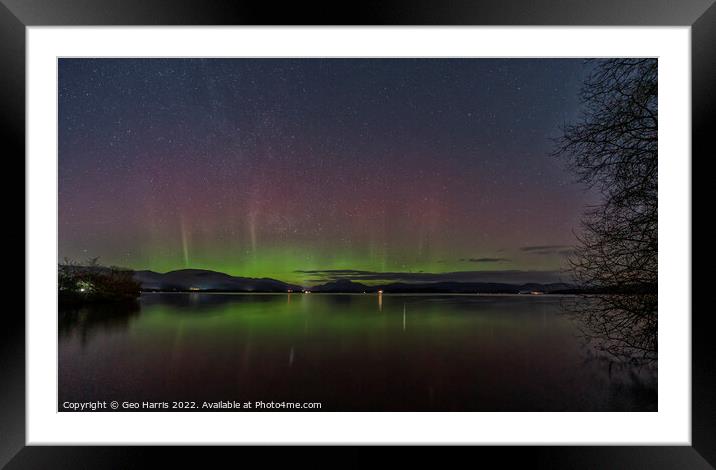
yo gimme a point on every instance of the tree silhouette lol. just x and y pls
(91, 282)
(613, 148)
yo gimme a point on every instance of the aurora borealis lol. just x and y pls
(304, 169)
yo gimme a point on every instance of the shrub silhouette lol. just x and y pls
(92, 282)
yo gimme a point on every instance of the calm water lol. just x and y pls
(349, 352)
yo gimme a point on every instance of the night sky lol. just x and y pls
(312, 169)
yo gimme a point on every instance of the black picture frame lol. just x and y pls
(16, 15)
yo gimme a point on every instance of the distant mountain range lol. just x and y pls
(347, 286)
(205, 280)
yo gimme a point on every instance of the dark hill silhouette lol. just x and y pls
(205, 280)
(343, 286)
(346, 286)
(212, 281)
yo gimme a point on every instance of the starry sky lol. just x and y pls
(308, 170)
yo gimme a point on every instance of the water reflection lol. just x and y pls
(202, 303)
(91, 320)
(350, 352)
(618, 327)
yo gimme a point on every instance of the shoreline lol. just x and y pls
(392, 294)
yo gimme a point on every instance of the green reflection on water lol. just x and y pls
(362, 352)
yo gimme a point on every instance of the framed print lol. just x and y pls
(417, 225)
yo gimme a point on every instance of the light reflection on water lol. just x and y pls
(350, 352)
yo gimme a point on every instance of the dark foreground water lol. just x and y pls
(348, 352)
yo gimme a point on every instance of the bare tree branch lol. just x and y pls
(613, 148)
